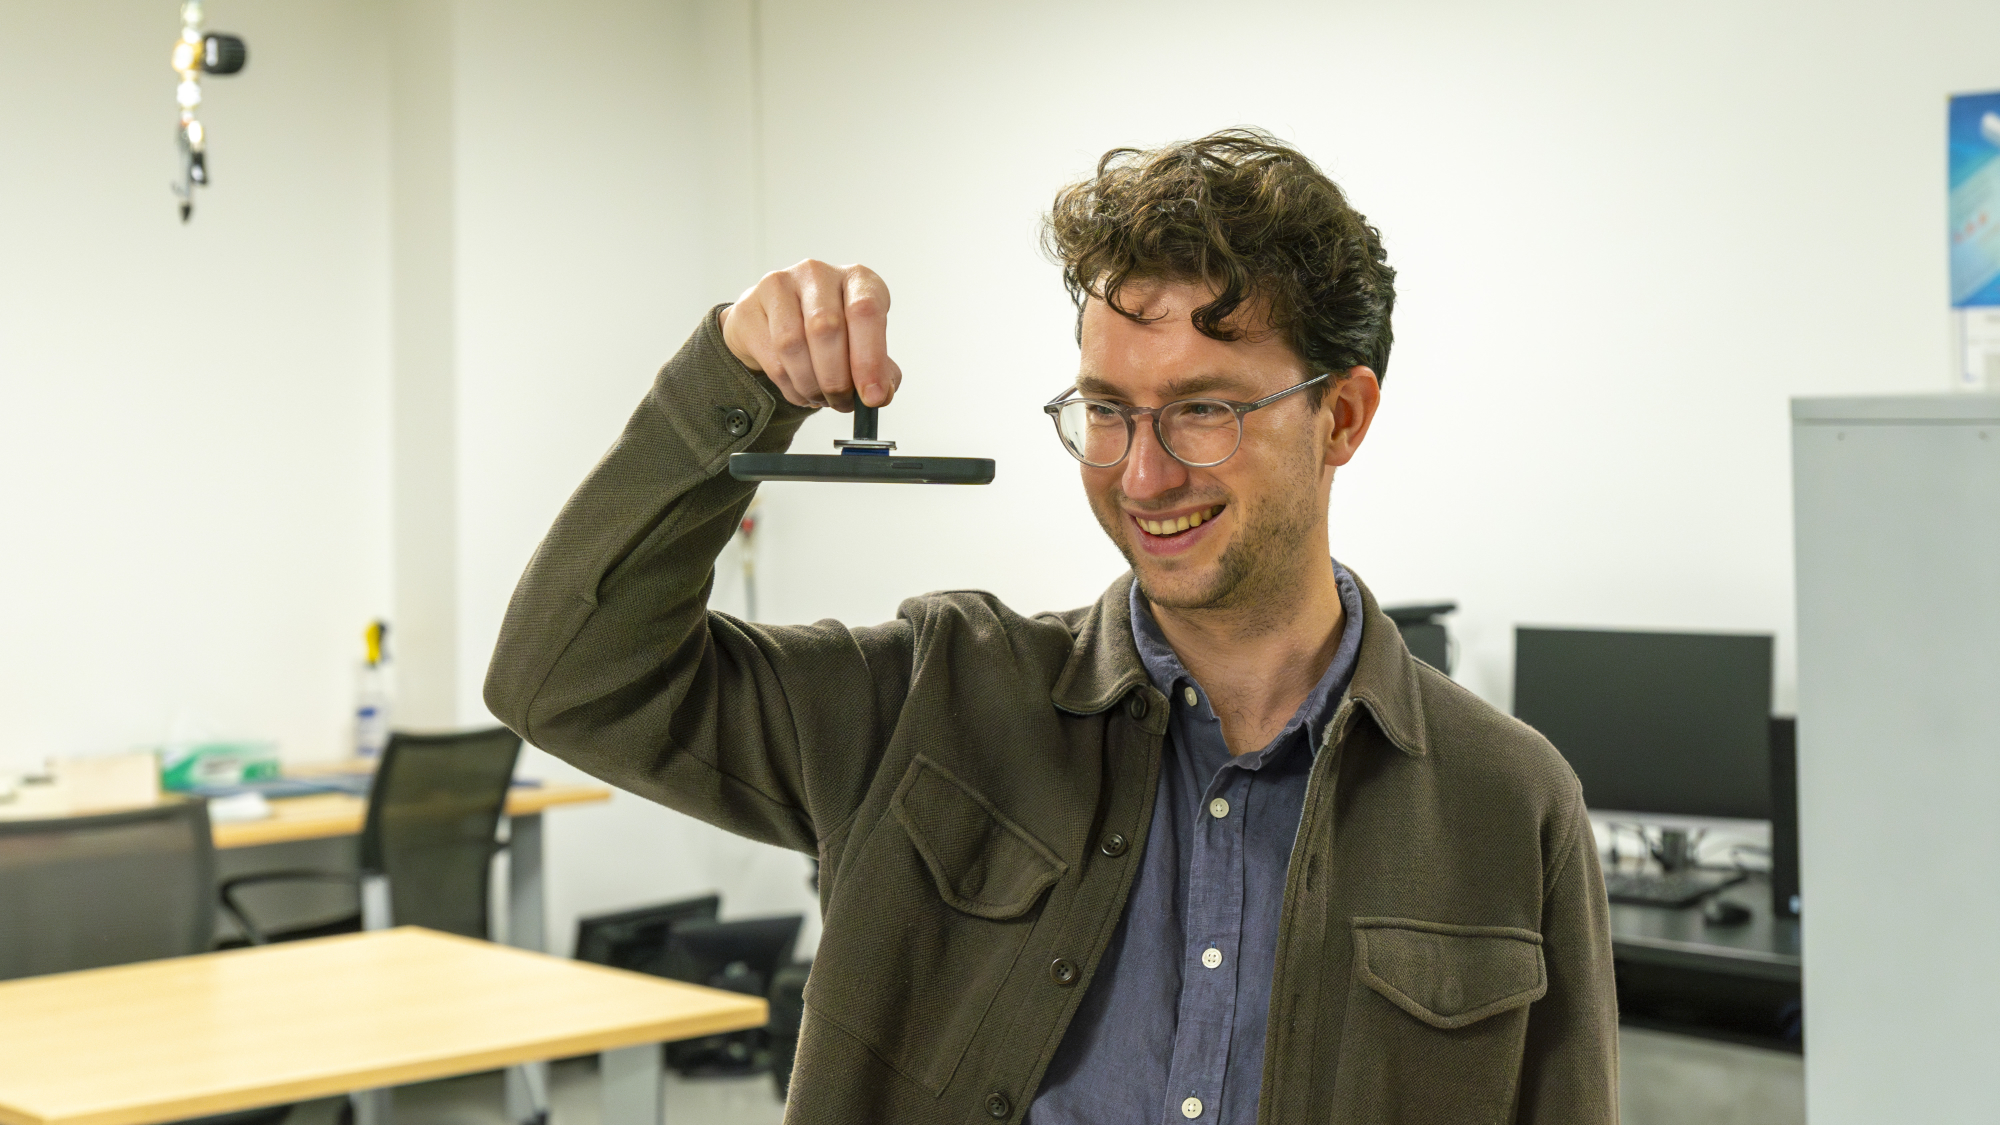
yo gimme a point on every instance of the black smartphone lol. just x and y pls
(884, 469)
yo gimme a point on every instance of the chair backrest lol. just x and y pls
(433, 813)
(80, 892)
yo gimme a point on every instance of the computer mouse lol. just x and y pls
(1722, 912)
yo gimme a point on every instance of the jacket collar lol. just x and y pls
(1104, 665)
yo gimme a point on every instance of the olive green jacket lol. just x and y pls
(977, 786)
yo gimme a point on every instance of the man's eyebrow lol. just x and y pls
(1191, 386)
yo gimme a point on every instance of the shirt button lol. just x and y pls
(1062, 970)
(1189, 695)
(1191, 1108)
(997, 1106)
(1211, 958)
(1218, 808)
(1114, 845)
(736, 421)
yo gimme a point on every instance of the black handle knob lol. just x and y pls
(864, 422)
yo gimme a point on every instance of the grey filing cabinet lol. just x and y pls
(1897, 523)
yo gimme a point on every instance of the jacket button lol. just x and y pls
(736, 421)
(1114, 845)
(1062, 970)
(997, 1106)
(1135, 705)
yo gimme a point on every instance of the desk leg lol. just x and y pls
(374, 1107)
(528, 1084)
(527, 1089)
(526, 912)
(375, 903)
(630, 1086)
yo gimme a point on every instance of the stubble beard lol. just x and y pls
(1253, 578)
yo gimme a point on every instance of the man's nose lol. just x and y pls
(1149, 469)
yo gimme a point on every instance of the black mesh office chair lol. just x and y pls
(430, 835)
(83, 892)
(433, 814)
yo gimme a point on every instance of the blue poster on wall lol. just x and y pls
(1975, 200)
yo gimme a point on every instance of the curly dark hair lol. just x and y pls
(1251, 218)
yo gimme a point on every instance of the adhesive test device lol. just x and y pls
(863, 459)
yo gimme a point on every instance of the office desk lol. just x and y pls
(339, 814)
(1677, 973)
(164, 1040)
(1765, 947)
(325, 815)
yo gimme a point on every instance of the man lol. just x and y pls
(1215, 849)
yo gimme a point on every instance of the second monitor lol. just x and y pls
(1673, 723)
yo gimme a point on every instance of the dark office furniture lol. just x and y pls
(430, 833)
(80, 892)
(84, 892)
(742, 956)
(1785, 817)
(1678, 972)
(638, 939)
(1423, 631)
(1653, 722)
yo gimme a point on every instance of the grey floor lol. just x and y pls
(1666, 1080)
(1676, 1080)
(478, 1099)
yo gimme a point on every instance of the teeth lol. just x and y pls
(1183, 523)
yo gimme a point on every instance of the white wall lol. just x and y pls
(1626, 235)
(193, 419)
(602, 186)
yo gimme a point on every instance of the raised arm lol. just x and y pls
(609, 656)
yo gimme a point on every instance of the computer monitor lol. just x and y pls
(1675, 723)
(742, 956)
(638, 939)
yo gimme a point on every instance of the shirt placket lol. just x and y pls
(1214, 929)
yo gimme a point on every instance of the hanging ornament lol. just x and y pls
(197, 53)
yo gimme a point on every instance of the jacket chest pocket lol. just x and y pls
(1436, 1023)
(930, 918)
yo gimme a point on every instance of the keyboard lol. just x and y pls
(1667, 888)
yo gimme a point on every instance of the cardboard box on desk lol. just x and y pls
(83, 785)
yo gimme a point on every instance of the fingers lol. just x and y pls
(819, 332)
(866, 300)
(823, 315)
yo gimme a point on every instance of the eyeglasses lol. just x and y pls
(1198, 432)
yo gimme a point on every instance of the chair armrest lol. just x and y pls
(226, 892)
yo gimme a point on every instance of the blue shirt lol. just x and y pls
(1172, 1029)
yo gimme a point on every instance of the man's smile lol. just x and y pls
(1173, 532)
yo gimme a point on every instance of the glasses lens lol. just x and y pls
(1201, 431)
(1095, 433)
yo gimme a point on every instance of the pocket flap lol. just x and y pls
(984, 863)
(1449, 976)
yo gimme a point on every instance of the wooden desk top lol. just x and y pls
(338, 814)
(164, 1040)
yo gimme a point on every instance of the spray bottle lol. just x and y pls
(372, 695)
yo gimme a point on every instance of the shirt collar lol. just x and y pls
(1164, 668)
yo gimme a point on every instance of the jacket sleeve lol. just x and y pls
(1570, 1072)
(610, 658)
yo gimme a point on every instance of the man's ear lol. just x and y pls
(1353, 401)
